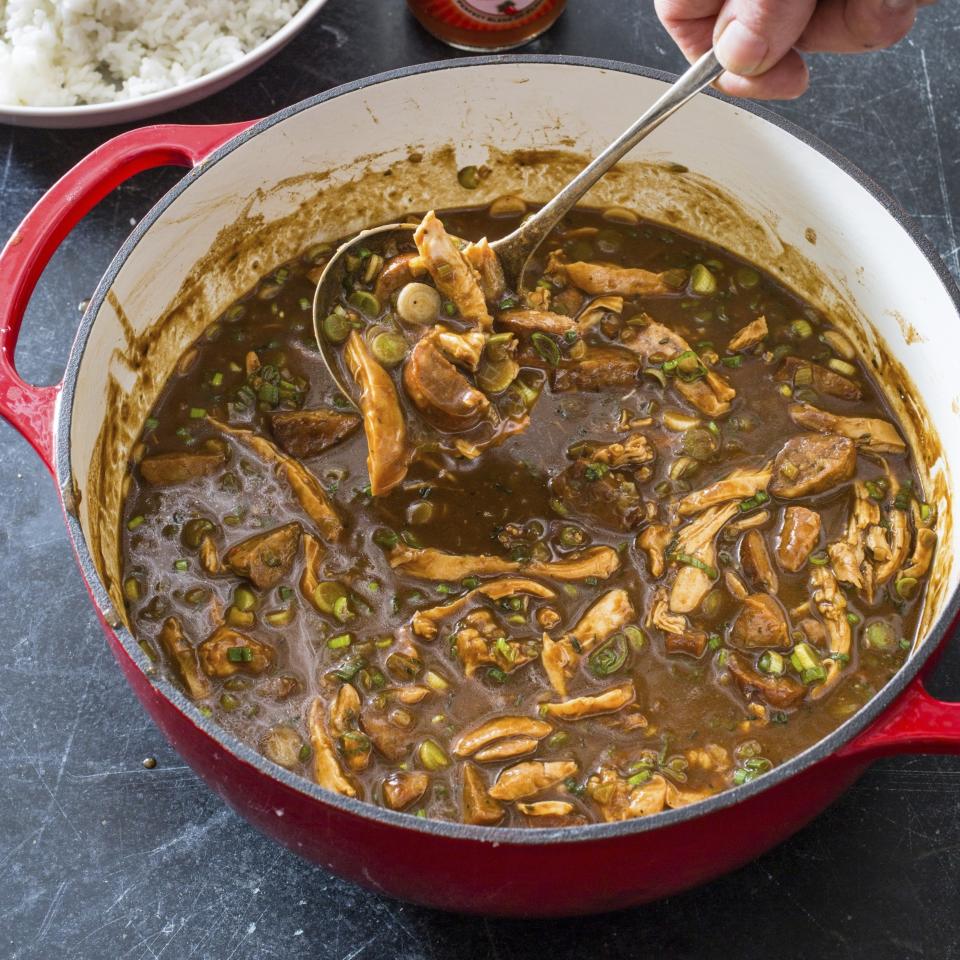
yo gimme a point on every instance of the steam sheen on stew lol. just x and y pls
(587, 553)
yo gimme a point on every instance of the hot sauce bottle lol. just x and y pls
(487, 25)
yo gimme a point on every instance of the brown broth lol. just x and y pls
(683, 702)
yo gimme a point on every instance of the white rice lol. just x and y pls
(58, 53)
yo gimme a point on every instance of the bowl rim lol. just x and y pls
(513, 836)
(116, 111)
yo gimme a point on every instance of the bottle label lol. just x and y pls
(498, 10)
(489, 14)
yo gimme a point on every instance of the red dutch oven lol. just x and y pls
(256, 194)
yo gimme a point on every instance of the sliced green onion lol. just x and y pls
(702, 280)
(546, 348)
(751, 503)
(610, 657)
(689, 560)
(239, 654)
(389, 348)
(773, 663)
(336, 327)
(340, 642)
(365, 302)
(469, 178)
(906, 587)
(432, 756)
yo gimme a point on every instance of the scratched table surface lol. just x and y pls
(102, 858)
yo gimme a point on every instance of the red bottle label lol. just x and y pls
(489, 14)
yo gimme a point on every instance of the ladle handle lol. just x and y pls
(514, 250)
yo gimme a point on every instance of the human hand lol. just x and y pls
(758, 40)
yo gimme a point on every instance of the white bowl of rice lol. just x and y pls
(86, 63)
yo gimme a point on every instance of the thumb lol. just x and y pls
(751, 36)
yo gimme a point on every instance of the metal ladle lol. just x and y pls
(515, 250)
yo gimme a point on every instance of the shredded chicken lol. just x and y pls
(559, 661)
(426, 622)
(455, 276)
(305, 486)
(607, 278)
(604, 618)
(756, 563)
(326, 766)
(481, 257)
(735, 586)
(611, 700)
(633, 451)
(313, 553)
(748, 336)
(654, 540)
(530, 777)
(388, 454)
(498, 728)
(210, 556)
(345, 709)
(922, 555)
(596, 310)
(531, 321)
(618, 800)
(870, 433)
(740, 484)
(848, 556)
(895, 539)
(181, 653)
(832, 604)
(697, 540)
(546, 808)
(463, 348)
(759, 518)
(481, 640)
(477, 806)
(508, 749)
(655, 343)
(432, 564)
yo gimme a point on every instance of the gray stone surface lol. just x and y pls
(102, 858)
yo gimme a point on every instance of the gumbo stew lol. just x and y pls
(589, 552)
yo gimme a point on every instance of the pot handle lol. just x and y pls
(30, 409)
(915, 723)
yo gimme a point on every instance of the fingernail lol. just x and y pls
(740, 50)
(898, 6)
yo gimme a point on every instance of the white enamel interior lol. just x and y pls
(859, 244)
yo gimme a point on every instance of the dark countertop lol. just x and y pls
(100, 857)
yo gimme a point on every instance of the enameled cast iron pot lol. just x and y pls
(258, 194)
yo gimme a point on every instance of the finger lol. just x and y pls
(786, 80)
(855, 26)
(689, 23)
(751, 36)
